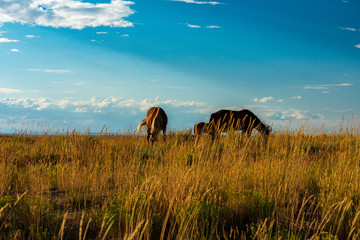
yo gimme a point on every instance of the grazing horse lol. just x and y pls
(201, 128)
(155, 122)
(244, 120)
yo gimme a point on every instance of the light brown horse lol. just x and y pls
(156, 121)
(201, 128)
(244, 120)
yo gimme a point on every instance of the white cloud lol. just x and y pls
(102, 33)
(325, 92)
(357, 46)
(98, 105)
(66, 13)
(280, 100)
(316, 87)
(6, 40)
(296, 97)
(348, 29)
(198, 2)
(343, 84)
(31, 36)
(295, 113)
(9, 90)
(264, 99)
(49, 70)
(125, 35)
(213, 27)
(15, 50)
(326, 86)
(33, 103)
(193, 26)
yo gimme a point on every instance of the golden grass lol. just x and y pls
(290, 186)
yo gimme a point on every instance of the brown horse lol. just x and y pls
(244, 120)
(156, 121)
(201, 128)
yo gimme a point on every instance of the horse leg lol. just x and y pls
(164, 133)
(213, 135)
(148, 135)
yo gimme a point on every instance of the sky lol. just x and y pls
(85, 65)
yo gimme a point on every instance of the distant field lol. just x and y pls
(290, 186)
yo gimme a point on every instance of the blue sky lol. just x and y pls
(86, 64)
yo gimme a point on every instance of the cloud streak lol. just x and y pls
(49, 70)
(9, 90)
(213, 27)
(198, 2)
(349, 29)
(198, 26)
(326, 86)
(66, 14)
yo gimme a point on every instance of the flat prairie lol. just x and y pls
(289, 185)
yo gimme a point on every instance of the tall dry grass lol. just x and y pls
(291, 185)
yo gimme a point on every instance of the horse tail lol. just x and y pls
(142, 123)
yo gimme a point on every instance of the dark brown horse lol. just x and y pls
(244, 120)
(201, 128)
(156, 121)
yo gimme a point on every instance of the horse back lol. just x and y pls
(156, 113)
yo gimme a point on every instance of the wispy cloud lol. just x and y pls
(9, 90)
(198, 26)
(326, 86)
(125, 35)
(198, 2)
(193, 26)
(104, 33)
(349, 29)
(264, 99)
(296, 97)
(67, 14)
(6, 40)
(49, 70)
(213, 26)
(31, 36)
(357, 46)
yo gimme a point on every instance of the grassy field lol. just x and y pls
(292, 185)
